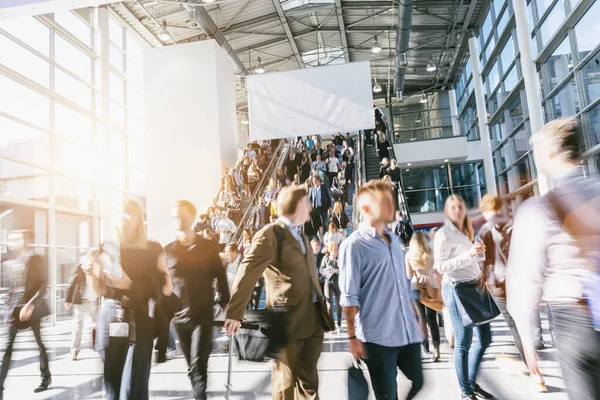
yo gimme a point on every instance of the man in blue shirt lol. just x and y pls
(375, 294)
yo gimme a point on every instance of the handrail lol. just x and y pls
(401, 198)
(278, 158)
(361, 173)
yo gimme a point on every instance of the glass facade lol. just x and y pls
(56, 148)
(566, 42)
(427, 188)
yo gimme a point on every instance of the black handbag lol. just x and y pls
(262, 334)
(474, 303)
(358, 387)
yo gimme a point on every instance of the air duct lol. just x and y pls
(405, 10)
(212, 31)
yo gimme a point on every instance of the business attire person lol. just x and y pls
(292, 282)
(321, 201)
(82, 298)
(28, 278)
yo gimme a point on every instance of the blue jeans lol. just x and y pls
(467, 356)
(383, 363)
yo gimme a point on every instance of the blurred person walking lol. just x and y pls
(292, 282)
(84, 301)
(195, 265)
(376, 297)
(457, 259)
(419, 267)
(26, 306)
(329, 272)
(321, 201)
(553, 256)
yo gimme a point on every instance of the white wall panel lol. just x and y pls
(320, 100)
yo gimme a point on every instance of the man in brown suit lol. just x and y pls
(291, 281)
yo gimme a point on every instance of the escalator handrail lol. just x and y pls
(401, 197)
(279, 156)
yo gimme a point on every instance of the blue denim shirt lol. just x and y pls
(373, 278)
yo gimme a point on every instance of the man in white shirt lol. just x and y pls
(251, 152)
(333, 165)
(226, 229)
(233, 259)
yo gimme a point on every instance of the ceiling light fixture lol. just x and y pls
(446, 160)
(245, 120)
(409, 164)
(376, 48)
(377, 87)
(164, 34)
(403, 60)
(259, 68)
(151, 3)
(209, 1)
(431, 67)
(423, 98)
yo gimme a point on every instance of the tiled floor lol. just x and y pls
(83, 379)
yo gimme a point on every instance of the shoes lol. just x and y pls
(470, 396)
(436, 352)
(161, 357)
(539, 385)
(480, 393)
(539, 345)
(46, 382)
(171, 354)
(338, 330)
(74, 355)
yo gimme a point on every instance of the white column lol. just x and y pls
(454, 112)
(530, 77)
(486, 147)
(107, 224)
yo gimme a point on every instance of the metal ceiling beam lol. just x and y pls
(425, 12)
(460, 43)
(288, 32)
(342, 25)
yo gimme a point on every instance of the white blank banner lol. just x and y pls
(311, 101)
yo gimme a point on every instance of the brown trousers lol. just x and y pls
(294, 375)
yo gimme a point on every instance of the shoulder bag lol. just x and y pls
(474, 302)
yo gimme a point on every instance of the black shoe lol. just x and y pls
(46, 382)
(470, 396)
(539, 345)
(480, 393)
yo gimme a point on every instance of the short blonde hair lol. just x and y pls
(187, 206)
(491, 203)
(288, 199)
(374, 188)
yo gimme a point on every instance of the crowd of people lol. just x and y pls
(389, 282)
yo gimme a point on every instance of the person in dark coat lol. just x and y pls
(83, 300)
(26, 304)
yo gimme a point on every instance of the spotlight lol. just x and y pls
(245, 120)
(423, 98)
(164, 34)
(431, 67)
(376, 48)
(259, 68)
(377, 87)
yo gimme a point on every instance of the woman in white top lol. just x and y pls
(428, 283)
(333, 235)
(456, 259)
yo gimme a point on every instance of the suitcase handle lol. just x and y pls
(244, 325)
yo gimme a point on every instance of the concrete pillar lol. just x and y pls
(454, 112)
(484, 132)
(530, 77)
(191, 128)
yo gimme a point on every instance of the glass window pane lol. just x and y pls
(21, 142)
(530, 16)
(498, 4)
(72, 125)
(565, 103)
(521, 142)
(486, 29)
(553, 22)
(73, 230)
(74, 25)
(135, 50)
(503, 184)
(425, 178)
(427, 200)
(117, 145)
(117, 115)
(135, 127)
(73, 193)
(502, 23)
(587, 31)
(510, 81)
(137, 180)
(135, 101)
(23, 182)
(73, 59)
(30, 31)
(493, 103)
(559, 65)
(117, 88)
(494, 77)
(472, 195)
(523, 171)
(72, 89)
(116, 58)
(135, 75)
(489, 49)
(73, 159)
(466, 174)
(508, 55)
(594, 122)
(590, 74)
(118, 175)
(18, 101)
(115, 32)
(22, 218)
(542, 5)
(23, 61)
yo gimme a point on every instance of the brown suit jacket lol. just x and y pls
(289, 282)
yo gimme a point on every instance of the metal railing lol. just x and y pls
(428, 129)
(277, 159)
(361, 173)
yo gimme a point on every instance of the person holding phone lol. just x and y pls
(26, 304)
